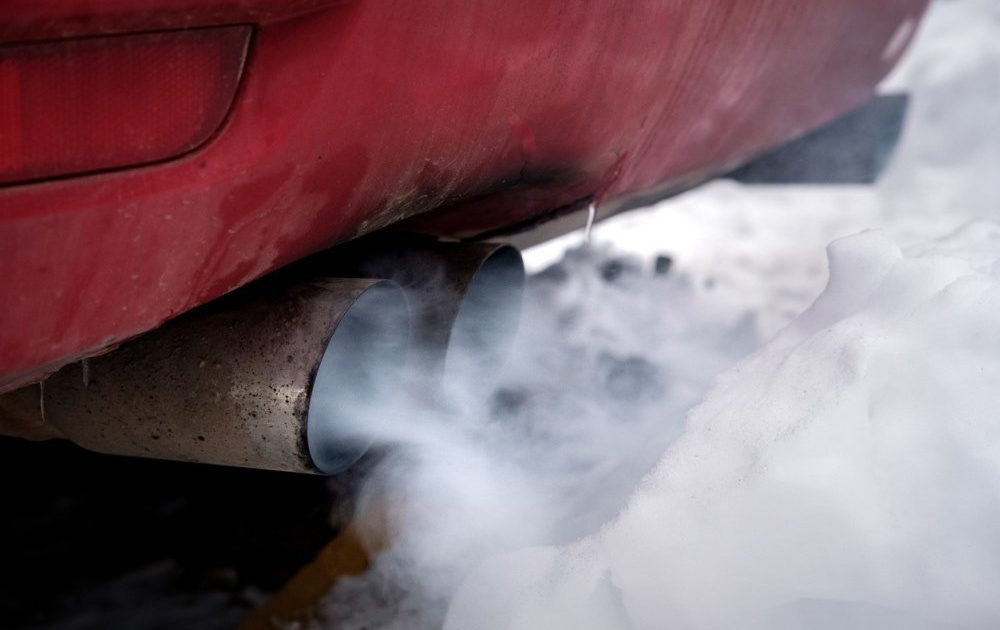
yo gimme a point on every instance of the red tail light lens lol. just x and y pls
(84, 105)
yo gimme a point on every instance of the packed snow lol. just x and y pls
(744, 408)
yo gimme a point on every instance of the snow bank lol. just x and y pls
(846, 475)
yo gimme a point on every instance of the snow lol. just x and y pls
(794, 428)
(854, 458)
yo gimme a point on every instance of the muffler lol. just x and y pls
(236, 382)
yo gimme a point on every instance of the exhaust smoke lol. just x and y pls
(841, 476)
(582, 410)
(656, 463)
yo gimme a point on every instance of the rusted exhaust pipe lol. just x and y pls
(233, 383)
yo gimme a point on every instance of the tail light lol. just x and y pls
(84, 105)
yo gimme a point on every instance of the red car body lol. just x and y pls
(156, 155)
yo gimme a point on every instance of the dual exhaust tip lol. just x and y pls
(285, 375)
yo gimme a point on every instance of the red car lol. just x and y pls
(157, 155)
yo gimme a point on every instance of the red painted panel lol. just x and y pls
(98, 103)
(369, 112)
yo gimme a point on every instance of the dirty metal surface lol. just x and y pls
(228, 384)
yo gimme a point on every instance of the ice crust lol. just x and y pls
(851, 466)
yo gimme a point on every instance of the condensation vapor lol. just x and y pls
(654, 457)
(596, 388)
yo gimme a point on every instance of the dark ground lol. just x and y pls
(96, 541)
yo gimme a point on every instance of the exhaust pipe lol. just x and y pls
(465, 301)
(291, 377)
(235, 382)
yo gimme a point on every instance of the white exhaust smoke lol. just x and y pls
(848, 472)
(845, 475)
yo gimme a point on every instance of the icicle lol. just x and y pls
(591, 215)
